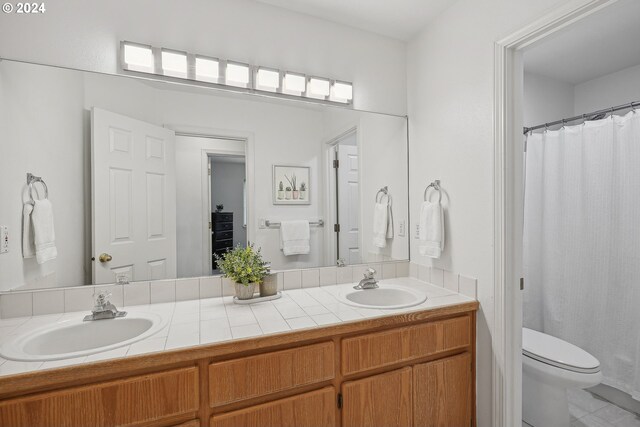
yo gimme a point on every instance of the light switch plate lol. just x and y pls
(4, 239)
(417, 234)
(402, 228)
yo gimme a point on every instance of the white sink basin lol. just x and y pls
(75, 338)
(387, 296)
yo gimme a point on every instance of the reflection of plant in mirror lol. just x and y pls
(219, 207)
(242, 265)
(303, 187)
(280, 187)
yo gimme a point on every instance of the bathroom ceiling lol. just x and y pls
(400, 19)
(605, 42)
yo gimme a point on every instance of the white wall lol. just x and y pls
(613, 89)
(450, 100)
(546, 99)
(227, 183)
(86, 35)
(41, 110)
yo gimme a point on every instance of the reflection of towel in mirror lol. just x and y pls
(431, 229)
(28, 242)
(381, 224)
(294, 237)
(44, 235)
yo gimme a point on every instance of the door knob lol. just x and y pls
(105, 257)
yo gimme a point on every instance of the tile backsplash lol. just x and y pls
(60, 300)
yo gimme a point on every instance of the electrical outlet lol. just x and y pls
(417, 234)
(4, 239)
(402, 228)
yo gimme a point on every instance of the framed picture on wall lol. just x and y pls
(291, 185)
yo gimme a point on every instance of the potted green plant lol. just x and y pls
(243, 265)
(287, 193)
(280, 191)
(219, 207)
(303, 191)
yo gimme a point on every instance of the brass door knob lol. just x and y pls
(105, 257)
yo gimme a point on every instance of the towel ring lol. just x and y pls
(31, 180)
(385, 192)
(436, 186)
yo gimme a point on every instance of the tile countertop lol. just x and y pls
(213, 320)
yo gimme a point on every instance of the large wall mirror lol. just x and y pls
(148, 179)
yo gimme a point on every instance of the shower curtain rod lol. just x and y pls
(587, 116)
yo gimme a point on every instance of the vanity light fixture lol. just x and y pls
(174, 63)
(207, 69)
(318, 87)
(137, 57)
(237, 74)
(342, 92)
(267, 79)
(294, 83)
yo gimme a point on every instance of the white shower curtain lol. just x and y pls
(582, 241)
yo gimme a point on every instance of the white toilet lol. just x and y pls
(550, 366)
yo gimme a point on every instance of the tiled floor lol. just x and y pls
(589, 410)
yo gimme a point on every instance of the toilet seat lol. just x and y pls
(556, 352)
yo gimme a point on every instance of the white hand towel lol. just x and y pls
(431, 229)
(44, 235)
(295, 237)
(380, 224)
(28, 242)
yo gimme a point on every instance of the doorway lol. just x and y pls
(228, 204)
(199, 158)
(344, 195)
(509, 198)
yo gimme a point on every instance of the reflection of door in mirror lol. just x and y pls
(228, 203)
(347, 197)
(133, 198)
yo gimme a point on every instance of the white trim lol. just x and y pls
(507, 334)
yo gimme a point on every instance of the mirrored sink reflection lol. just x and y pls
(387, 296)
(75, 338)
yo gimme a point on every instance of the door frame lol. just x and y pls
(248, 139)
(331, 207)
(508, 203)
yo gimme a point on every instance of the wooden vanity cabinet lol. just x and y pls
(408, 370)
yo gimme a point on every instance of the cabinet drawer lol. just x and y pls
(223, 235)
(222, 226)
(126, 402)
(222, 217)
(380, 349)
(223, 244)
(249, 377)
(314, 409)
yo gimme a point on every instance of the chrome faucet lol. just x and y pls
(103, 309)
(369, 281)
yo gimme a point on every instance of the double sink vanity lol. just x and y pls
(411, 364)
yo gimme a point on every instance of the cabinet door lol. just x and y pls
(442, 392)
(313, 409)
(380, 400)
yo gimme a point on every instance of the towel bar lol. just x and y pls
(274, 224)
(32, 179)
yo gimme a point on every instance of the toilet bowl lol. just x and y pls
(550, 366)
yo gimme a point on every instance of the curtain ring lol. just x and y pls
(632, 106)
(546, 127)
(564, 121)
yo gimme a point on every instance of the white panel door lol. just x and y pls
(133, 187)
(348, 204)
